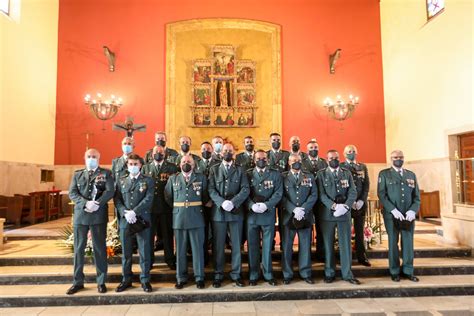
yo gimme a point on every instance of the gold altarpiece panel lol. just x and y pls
(190, 44)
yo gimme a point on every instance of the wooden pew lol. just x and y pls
(11, 208)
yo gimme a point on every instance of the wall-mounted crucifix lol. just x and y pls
(129, 127)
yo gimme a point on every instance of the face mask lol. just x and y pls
(91, 163)
(158, 156)
(228, 156)
(398, 163)
(296, 166)
(313, 153)
(295, 147)
(133, 170)
(161, 142)
(249, 147)
(218, 147)
(261, 163)
(334, 163)
(206, 154)
(186, 167)
(127, 149)
(351, 156)
(276, 145)
(185, 147)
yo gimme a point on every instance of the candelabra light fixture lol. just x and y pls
(103, 109)
(341, 110)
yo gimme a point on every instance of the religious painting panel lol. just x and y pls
(202, 71)
(245, 71)
(224, 59)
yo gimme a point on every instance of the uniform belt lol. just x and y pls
(186, 204)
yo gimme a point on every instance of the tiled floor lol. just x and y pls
(446, 305)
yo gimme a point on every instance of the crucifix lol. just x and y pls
(129, 127)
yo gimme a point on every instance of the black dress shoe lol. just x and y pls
(353, 281)
(216, 284)
(308, 280)
(74, 289)
(159, 245)
(329, 279)
(365, 262)
(239, 282)
(200, 285)
(180, 285)
(101, 288)
(272, 282)
(286, 281)
(147, 287)
(411, 277)
(395, 277)
(123, 286)
(172, 266)
(253, 282)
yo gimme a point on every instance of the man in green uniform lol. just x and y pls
(337, 193)
(185, 145)
(133, 198)
(399, 194)
(313, 163)
(217, 145)
(119, 164)
(228, 189)
(295, 147)
(299, 195)
(160, 140)
(204, 166)
(186, 191)
(277, 157)
(359, 208)
(161, 218)
(266, 191)
(245, 159)
(90, 190)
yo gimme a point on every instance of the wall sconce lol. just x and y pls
(340, 110)
(103, 109)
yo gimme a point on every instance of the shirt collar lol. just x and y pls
(263, 170)
(188, 174)
(93, 170)
(398, 169)
(228, 163)
(332, 170)
(349, 162)
(159, 164)
(134, 177)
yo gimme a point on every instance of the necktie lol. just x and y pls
(260, 173)
(296, 176)
(400, 172)
(133, 181)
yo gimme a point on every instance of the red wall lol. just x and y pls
(135, 31)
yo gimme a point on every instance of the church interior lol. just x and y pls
(379, 74)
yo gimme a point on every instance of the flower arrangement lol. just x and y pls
(370, 235)
(112, 240)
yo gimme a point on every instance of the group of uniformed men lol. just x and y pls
(229, 199)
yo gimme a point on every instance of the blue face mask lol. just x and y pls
(133, 170)
(351, 156)
(92, 163)
(127, 149)
(218, 147)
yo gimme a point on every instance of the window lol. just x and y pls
(5, 6)
(434, 7)
(465, 169)
(47, 175)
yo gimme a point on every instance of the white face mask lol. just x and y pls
(133, 170)
(92, 163)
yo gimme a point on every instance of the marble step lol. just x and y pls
(66, 259)
(54, 294)
(57, 274)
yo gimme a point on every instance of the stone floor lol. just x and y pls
(416, 306)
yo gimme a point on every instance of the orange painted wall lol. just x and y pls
(135, 30)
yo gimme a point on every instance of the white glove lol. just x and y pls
(397, 214)
(92, 206)
(299, 213)
(131, 217)
(340, 210)
(262, 207)
(255, 208)
(88, 210)
(359, 204)
(227, 205)
(410, 215)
